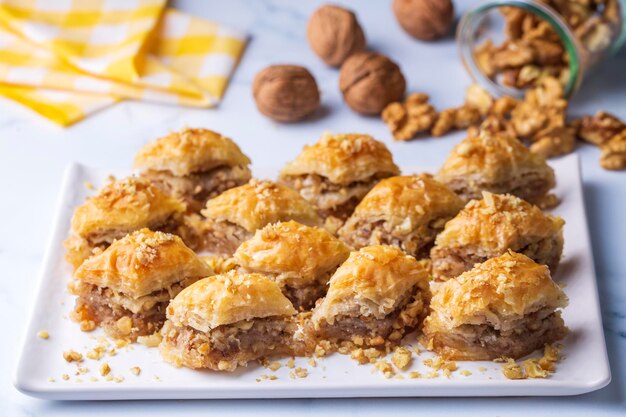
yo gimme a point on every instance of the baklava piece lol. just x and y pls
(490, 227)
(335, 173)
(405, 211)
(504, 307)
(194, 165)
(499, 163)
(119, 208)
(234, 216)
(127, 288)
(375, 297)
(300, 259)
(225, 321)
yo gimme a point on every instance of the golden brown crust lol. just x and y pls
(374, 279)
(258, 203)
(295, 254)
(124, 206)
(343, 159)
(497, 291)
(142, 263)
(408, 202)
(492, 159)
(497, 223)
(228, 298)
(190, 151)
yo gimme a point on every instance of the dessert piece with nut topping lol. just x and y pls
(505, 307)
(405, 211)
(495, 161)
(193, 165)
(490, 227)
(126, 288)
(235, 215)
(225, 321)
(300, 259)
(375, 297)
(335, 173)
(121, 207)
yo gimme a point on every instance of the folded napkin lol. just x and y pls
(66, 59)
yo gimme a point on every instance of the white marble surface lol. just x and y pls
(33, 154)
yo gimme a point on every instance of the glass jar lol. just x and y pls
(509, 45)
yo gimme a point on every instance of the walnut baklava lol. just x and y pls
(234, 216)
(499, 163)
(404, 211)
(227, 320)
(121, 207)
(335, 173)
(194, 165)
(374, 298)
(126, 288)
(505, 307)
(300, 259)
(491, 226)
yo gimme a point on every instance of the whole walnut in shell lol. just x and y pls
(370, 81)
(286, 93)
(334, 34)
(426, 20)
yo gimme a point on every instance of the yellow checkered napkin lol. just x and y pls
(66, 59)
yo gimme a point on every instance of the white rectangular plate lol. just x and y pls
(584, 368)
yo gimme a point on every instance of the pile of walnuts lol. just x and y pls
(539, 119)
(368, 81)
(532, 49)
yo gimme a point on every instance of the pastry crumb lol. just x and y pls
(291, 363)
(135, 370)
(72, 356)
(312, 362)
(465, 372)
(87, 325)
(440, 364)
(43, 334)
(533, 369)
(83, 370)
(274, 366)
(511, 369)
(96, 353)
(150, 341)
(105, 369)
(51, 379)
(385, 368)
(118, 379)
(94, 379)
(415, 375)
(402, 358)
(65, 377)
(89, 185)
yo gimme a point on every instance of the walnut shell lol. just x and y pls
(286, 93)
(370, 81)
(334, 34)
(426, 20)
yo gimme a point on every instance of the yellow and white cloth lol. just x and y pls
(66, 59)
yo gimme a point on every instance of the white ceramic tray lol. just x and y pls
(585, 366)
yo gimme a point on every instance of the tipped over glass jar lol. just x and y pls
(510, 45)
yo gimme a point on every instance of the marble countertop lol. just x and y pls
(33, 154)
